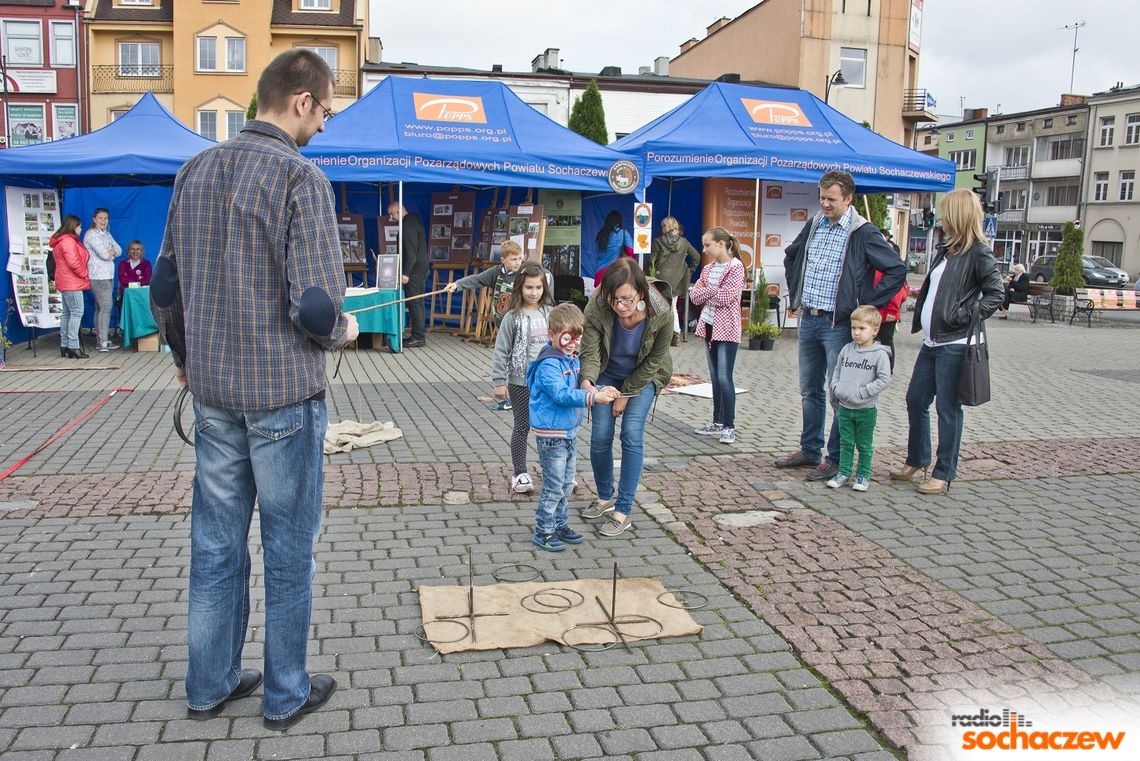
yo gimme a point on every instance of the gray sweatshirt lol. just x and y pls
(860, 375)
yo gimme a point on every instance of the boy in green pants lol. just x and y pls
(862, 371)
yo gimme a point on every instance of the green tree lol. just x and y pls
(588, 118)
(1068, 272)
(877, 204)
(758, 311)
(251, 112)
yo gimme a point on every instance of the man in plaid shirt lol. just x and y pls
(248, 292)
(830, 269)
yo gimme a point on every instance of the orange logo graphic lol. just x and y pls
(799, 215)
(775, 112)
(1007, 730)
(449, 108)
(772, 240)
(775, 191)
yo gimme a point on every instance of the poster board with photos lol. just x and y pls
(350, 231)
(562, 244)
(526, 226)
(451, 234)
(33, 217)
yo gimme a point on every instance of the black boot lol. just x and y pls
(63, 351)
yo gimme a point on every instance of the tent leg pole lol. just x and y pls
(756, 230)
(400, 261)
(669, 206)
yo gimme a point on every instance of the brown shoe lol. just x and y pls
(796, 460)
(676, 340)
(823, 472)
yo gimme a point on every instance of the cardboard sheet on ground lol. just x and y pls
(349, 434)
(524, 628)
(703, 390)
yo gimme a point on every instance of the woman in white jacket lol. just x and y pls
(103, 249)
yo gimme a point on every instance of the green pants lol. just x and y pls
(856, 431)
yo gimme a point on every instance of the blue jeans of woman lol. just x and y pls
(557, 458)
(935, 379)
(602, 427)
(722, 358)
(276, 458)
(70, 318)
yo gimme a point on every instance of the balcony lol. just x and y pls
(918, 106)
(344, 83)
(131, 80)
(1052, 214)
(1010, 172)
(1012, 216)
(1047, 170)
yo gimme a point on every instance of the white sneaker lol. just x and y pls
(728, 436)
(521, 484)
(838, 480)
(709, 429)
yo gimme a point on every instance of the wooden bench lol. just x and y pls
(1040, 297)
(1088, 300)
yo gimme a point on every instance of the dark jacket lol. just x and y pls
(674, 260)
(415, 250)
(654, 363)
(867, 252)
(971, 281)
(1018, 289)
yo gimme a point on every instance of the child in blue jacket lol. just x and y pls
(556, 405)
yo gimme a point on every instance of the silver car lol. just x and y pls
(1101, 263)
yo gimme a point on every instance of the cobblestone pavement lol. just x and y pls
(840, 625)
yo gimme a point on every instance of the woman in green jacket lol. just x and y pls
(629, 326)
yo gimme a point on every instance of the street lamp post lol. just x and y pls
(835, 79)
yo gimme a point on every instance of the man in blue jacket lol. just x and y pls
(830, 268)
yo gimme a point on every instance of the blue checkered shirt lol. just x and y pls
(825, 261)
(251, 227)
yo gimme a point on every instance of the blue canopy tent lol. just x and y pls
(126, 166)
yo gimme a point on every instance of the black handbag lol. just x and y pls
(974, 382)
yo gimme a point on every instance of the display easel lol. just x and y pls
(350, 268)
(485, 328)
(442, 304)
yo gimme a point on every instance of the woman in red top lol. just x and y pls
(890, 314)
(718, 292)
(71, 280)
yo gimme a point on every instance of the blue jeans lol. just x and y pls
(557, 458)
(602, 426)
(276, 457)
(819, 345)
(70, 318)
(935, 378)
(722, 358)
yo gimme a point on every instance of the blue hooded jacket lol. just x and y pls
(556, 402)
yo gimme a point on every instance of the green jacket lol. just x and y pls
(654, 362)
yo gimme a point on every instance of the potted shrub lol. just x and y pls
(761, 335)
(1068, 271)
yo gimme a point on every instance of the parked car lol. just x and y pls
(1106, 264)
(1042, 271)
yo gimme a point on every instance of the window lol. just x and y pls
(1021, 126)
(1016, 155)
(1059, 147)
(1127, 181)
(117, 112)
(1100, 186)
(136, 2)
(1013, 200)
(1114, 252)
(1047, 123)
(326, 52)
(964, 159)
(22, 43)
(316, 5)
(1107, 125)
(1061, 195)
(207, 54)
(62, 43)
(138, 59)
(235, 54)
(1071, 119)
(949, 137)
(969, 134)
(1000, 129)
(853, 63)
(927, 140)
(235, 120)
(208, 124)
(1132, 129)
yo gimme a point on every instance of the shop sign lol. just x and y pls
(32, 80)
(25, 125)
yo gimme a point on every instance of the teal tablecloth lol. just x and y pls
(386, 320)
(135, 319)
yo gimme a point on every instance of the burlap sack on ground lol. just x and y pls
(349, 434)
(525, 628)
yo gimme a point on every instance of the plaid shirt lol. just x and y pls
(825, 261)
(251, 227)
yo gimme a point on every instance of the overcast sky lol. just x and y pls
(989, 52)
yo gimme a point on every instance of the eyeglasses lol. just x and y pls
(327, 114)
(626, 302)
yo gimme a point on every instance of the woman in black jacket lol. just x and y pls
(963, 281)
(1016, 289)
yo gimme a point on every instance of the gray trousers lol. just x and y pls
(102, 290)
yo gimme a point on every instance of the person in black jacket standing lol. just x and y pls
(415, 270)
(963, 282)
(830, 268)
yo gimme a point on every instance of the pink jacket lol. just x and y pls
(725, 297)
(70, 263)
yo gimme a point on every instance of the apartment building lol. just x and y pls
(202, 58)
(1110, 205)
(42, 71)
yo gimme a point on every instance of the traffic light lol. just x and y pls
(985, 192)
(928, 218)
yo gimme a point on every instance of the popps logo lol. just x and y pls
(462, 109)
(775, 112)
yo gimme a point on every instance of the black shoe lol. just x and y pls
(63, 351)
(249, 681)
(824, 472)
(796, 460)
(414, 343)
(321, 688)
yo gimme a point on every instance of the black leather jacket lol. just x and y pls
(971, 281)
